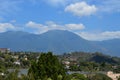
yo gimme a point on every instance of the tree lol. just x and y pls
(118, 78)
(117, 69)
(47, 66)
(12, 75)
(77, 76)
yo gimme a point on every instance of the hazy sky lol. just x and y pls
(91, 19)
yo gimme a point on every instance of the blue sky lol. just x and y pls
(91, 19)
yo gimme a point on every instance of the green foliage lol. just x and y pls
(117, 69)
(74, 68)
(48, 66)
(119, 78)
(12, 76)
(77, 76)
(25, 77)
(88, 66)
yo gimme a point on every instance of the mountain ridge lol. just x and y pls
(57, 41)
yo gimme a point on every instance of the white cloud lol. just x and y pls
(34, 25)
(100, 36)
(12, 6)
(75, 26)
(40, 28)
(102, 5)
(53, 25)
(81, 9)
(6, 26)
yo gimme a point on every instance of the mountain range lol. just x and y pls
(57, 41)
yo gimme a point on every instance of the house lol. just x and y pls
(15, 57)
(25, 57)
(17, 62)
(67, 64)
(112, 75)
(4, 50)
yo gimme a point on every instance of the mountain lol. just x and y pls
(60, 41)
(111, 46)
(57, 41)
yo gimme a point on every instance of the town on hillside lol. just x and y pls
(76, 65)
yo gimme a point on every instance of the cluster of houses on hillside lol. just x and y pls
(73, 61)
(69, 61)
(16, 57)
(112, 75)
(4, 50)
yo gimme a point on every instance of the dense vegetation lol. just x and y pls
(46, 66)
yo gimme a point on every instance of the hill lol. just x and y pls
(91, 57)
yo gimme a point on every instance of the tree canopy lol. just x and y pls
(47, 66)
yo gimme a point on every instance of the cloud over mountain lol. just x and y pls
(50, 25)
(101, 35)
(6, 26)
